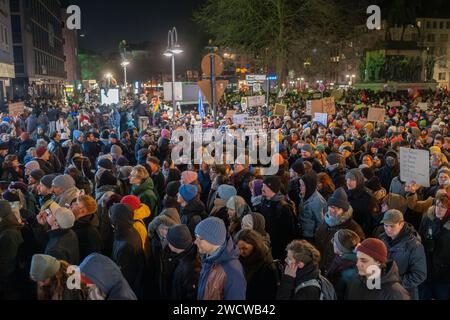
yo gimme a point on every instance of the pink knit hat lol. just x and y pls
(165, 133)
(187, 177)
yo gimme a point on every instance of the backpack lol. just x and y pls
(327, 291)
(297, 229)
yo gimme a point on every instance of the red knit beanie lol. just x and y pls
(132, 201)
(374, 248)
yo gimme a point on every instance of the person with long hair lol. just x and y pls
(259, 268)
(325, 185)
(11, 170)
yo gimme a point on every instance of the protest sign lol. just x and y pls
(423, 106)
(253, 123)
(321, 118)
(239, 119)
(256, 101)
(329, 106)
(230, 113)
(280, 110)
(415, 166)
(16, 108)
(394, 104)
(376, 115)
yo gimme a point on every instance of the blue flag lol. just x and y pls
(201, 109)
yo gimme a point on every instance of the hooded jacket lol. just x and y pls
(408, 253)
(89, 238)
(222, 276)
(365, 207)
(326, 231)
(391, 289)
(140, 214)
(106, 275)
(341, 272)
(127, 248)
(10, 241)
(435, 236)
(314, 206)
(280, 224)
(192, 214)
(387, 173)
(145, 193)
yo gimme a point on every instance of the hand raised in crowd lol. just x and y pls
(42, 218)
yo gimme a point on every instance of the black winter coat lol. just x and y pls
(89, 238)
(287, 289)
(280, 222)
(63, 245)
(391, 289)
(192, 214)
(365, 209)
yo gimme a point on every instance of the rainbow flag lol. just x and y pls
(156, 107)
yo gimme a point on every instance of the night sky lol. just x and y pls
(105, 23)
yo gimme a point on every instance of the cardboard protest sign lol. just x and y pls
(423, 106)
(394, 104)
(230, 113)
(16, 108)
(256, 101)
(280, 110)
(415, 166)
(244, 104)
(321, 118)
(313, 107)
(376, 115)
(329, 106)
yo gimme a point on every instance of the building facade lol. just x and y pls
(7, 73)
(38, 47)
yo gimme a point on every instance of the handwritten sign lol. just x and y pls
(423, 106)
(256, 101)
(313, 107)
(329, 106)
(230, 113)
(376, 115)
(253, 123)
(239, 119)
(321, 118)
(394, 104)
(415, 166)
(16, 108)
(280, 110)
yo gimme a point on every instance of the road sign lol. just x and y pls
(218, 65)
(205, 86)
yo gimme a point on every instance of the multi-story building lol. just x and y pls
(38, 46)
(6, 52)
(432, 35)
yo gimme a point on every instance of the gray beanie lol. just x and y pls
(226, 191)
(179, 237)
(64, 182)
(239, 205)
(346, 240)
(43, 267)
(116, 150)
(308, 148)
(64, 217)
(212, 230)
(339, 199)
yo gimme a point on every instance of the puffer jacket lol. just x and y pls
(140, 214)
(145, 192)
(408, 253)
(222, 276)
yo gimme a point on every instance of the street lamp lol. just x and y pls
(173, 48)
(109, 77)
(125, 64)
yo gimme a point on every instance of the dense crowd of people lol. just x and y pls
(82, 186)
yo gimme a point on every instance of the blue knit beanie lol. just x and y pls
(226, 191)
(188, 192)
(212, 230)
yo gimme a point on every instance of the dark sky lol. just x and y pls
(106, 22)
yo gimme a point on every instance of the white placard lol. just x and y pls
(239, 118)
(256, 101)
(253, 123)
(423, 106)
(415, 166)
(321, 118)
(178, 88)
(110, 97)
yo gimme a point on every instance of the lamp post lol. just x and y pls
(173, 48)
(125, 64)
